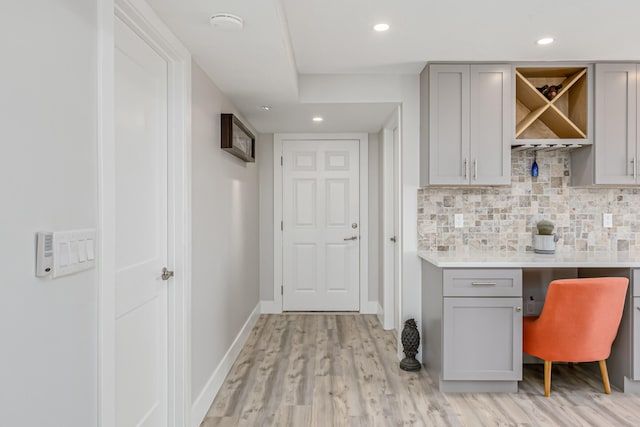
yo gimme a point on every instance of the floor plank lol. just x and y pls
(341, 370)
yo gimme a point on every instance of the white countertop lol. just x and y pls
(566, 259)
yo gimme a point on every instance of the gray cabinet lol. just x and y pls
(482, 324)
(470, 116)
(616, 113)
(482, 339)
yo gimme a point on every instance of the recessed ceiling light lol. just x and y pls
(381, 27)
(226, 22)
(545, 40)
(265, 107)
(317, 119)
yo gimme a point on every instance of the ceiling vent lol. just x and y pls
(226, 22)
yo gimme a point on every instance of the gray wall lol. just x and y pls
(264, 156)
(225, 235)
(48, 131)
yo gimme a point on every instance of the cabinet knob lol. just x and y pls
(518, 309)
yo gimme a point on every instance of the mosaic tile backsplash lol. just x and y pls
(504, 218)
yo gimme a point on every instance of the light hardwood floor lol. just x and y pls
(341, 370)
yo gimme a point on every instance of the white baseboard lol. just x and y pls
(204, 400)
(381, 315)
(371, 307)
(270, 307)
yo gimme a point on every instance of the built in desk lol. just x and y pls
(472, 308)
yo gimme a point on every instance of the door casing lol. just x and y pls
(366, 306)
(391, 216)
(143, 20)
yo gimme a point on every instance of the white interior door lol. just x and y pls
(395, 220)
(321, 234)
(141, 231)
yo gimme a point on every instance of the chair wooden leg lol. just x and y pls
(547, 378)
(605, 376)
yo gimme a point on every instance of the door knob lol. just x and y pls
(166, 274)
(351, 238)
(393, 239)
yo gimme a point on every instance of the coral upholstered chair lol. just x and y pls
(578, 323)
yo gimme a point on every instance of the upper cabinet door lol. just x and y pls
(448, 125)
(469, 124)
(491, 118)
(616, 145)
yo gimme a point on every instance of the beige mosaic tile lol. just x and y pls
(504, 218)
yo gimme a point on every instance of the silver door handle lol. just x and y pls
(351, 238)
(393, 239)
(475, 170)
(465, 168)
(166, 274)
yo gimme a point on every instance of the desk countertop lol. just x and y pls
(564, 259)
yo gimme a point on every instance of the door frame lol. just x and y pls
(143, 20)
(391, 223)
(366, 306)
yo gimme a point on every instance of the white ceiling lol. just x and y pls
(285, 38)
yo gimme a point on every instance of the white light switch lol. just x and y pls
(607, 220)
(62, 254)
(82, 250)
(458, 221)
(90, 251)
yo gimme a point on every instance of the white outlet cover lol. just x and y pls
(607, 220)
(458, 221)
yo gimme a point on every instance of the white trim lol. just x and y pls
(270, 307)
(380, 314)
(370, 307)
(391, 166)
(366, 306)
(203, 402)
(106, 219)
(141, 18)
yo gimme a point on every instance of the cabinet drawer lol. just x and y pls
(482, 282)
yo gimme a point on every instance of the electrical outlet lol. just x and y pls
(458, 220)
(607, 220)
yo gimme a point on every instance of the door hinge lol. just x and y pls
(281, 289)
(281, 225)
(281, 161)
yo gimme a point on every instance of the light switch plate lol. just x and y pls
(607, 220)
(73, 251)
(458, 221)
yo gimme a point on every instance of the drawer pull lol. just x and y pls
(483, 283)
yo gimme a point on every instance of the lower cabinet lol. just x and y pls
(482, 339)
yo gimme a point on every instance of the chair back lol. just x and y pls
(580, 318)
